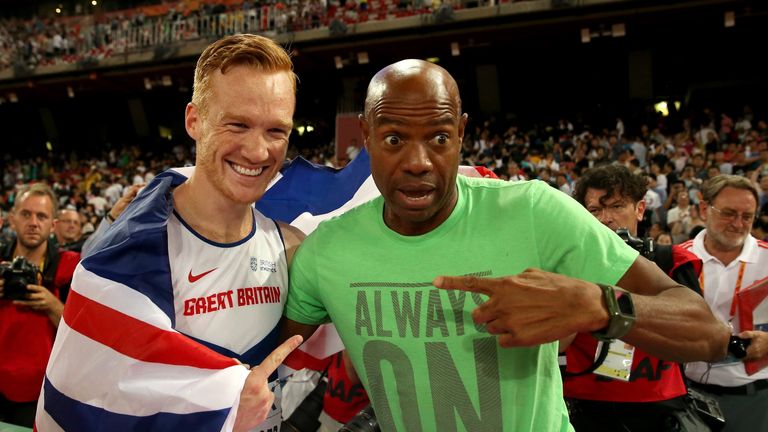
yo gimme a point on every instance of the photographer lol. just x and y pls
(655, 389)
(28, 320)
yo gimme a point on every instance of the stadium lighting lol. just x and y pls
(455, 51)
(585, 35)
(147, 84)
(300, 130)
(729, 18)
(662, 108)
(310, 128)
(338, 62)
(49, 146)
(94, 2)
(618, 30)
(433, 59)
(58, 10)
(362, 57)
(70, 92)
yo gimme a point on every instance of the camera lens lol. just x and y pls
(364, 421)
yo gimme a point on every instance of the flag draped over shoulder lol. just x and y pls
(118, 363)
(305, 194)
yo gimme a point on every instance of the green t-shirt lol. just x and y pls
(423, 361)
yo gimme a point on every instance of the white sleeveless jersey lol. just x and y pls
(230, 297)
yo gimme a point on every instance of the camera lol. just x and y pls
(364, 421)
(17, 275)
(643, 245)
(707, 408)
(738, 346)
(305, 416)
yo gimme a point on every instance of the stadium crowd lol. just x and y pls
(557, 154)
(83, 37)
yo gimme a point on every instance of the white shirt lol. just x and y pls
(677, 214)
(719, 285)
(652, 200)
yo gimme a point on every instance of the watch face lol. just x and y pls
(625, 304)
(738, 346)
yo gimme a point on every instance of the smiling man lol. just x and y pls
(733, 260)
(432, 356)
(190, 281)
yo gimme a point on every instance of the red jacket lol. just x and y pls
(26, 336)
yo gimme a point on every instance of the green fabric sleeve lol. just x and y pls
(585, 248)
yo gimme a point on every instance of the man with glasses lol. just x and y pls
(67, 231)
(733, 260)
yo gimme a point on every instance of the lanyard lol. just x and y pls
(736, 289)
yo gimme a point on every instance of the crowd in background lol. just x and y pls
(89, 37)
(675, 165)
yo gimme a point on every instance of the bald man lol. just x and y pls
(476, 350)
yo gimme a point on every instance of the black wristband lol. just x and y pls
(109, 217)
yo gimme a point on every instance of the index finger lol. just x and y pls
(276, 357)
(465, 283)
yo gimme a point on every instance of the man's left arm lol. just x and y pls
(534, 307)
(292, 237)
(671, 321)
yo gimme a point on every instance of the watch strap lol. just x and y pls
(621, 313)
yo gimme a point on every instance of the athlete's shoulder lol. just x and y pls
(349, 221)
(489, 186)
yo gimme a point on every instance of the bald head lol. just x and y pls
(413, 128)
(412, 80)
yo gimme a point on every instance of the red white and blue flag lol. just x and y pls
(118, 363)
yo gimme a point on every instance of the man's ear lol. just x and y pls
(192, 120)
(640, 210)
(463, 125)
(365, 128)
(703, 210)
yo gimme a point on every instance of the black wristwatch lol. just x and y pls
(621, 314)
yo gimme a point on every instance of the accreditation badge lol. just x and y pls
(618, 362)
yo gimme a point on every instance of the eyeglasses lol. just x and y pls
(731, 215)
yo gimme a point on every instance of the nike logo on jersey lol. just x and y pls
(194, 278)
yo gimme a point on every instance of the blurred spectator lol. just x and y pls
(67, 234)
(679, 218)
(664, 239)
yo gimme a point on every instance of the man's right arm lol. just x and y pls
(256, 399)
(289, 328)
